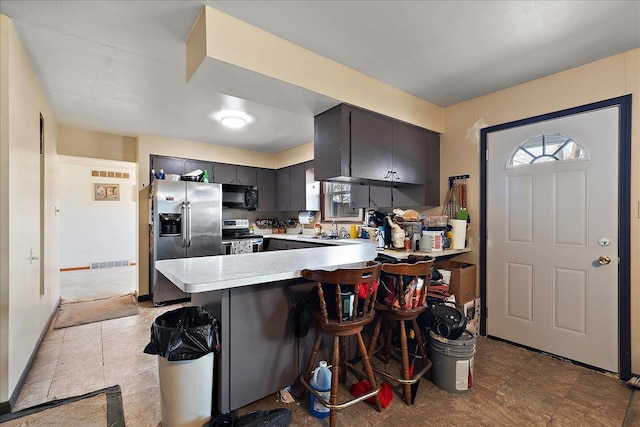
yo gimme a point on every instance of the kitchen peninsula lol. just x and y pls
(253, 296)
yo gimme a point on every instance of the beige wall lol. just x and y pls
(611, 77)
(85, 143)
(24, 308)
(299, 154)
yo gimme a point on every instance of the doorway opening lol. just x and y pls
(98, 220)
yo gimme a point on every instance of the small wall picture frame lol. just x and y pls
(106, 192)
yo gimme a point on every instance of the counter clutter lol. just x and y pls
(203, 274)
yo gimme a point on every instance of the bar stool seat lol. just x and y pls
(406, 308)
(346, 300)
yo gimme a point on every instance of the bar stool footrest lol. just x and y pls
(337, 406)
(416, 377)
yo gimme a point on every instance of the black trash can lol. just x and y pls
(185, 341)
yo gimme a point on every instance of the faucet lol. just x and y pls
(336, 233)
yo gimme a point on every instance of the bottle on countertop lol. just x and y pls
(152, 176)
(161, 175)
(205, 176)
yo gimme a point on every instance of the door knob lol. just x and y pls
(604, 260)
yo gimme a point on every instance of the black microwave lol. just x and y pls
(240, 197)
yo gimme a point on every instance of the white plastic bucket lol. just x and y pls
(186, 391)
(452, 361)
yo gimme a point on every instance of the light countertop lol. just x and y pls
(212, 273)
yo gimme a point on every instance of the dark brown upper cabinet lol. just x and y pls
(179, 166)
(371, 146)
(235, 174)
(266, 189)
(360, 146)
(295, 189)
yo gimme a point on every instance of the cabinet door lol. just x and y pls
(172, 165)
(408, 196)
(371, 145)
(297, 187)
(266, 181)
(282, 189)
(409, 154)
(359, 196)
(264, 351)
(246, 175)
(379, 197)
(225, 174)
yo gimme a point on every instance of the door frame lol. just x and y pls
(624, 218)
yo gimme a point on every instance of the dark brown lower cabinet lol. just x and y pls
(259, 352)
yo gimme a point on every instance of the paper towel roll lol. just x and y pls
(459, 231)
(306, 217)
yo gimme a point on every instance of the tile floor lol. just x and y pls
(512, 386)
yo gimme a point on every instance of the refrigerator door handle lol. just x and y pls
(189, 224)
(183, 227)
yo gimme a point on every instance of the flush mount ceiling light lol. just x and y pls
(233, 122)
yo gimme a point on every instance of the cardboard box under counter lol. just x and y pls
(463, 279)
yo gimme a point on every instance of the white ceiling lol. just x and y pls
(119, 66)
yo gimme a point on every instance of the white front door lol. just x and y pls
(550, 224)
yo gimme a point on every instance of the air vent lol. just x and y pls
(108, 264)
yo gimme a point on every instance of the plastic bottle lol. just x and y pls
(205, 176)
(321, 382)
(152, 176)
(161, 175)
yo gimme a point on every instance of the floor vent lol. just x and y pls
(107, 264)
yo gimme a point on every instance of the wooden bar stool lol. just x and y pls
(339, 317)
(403, 311)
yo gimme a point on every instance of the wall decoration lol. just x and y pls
(106, 191)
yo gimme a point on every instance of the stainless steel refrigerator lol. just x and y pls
(186, 222)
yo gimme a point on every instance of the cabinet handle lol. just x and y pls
(388, 175)
(395, 176)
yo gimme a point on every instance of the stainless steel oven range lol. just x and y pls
(238, 239)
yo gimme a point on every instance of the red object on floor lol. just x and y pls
(362, 387)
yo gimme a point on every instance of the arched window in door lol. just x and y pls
(547, 148)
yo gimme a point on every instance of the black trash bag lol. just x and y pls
(186, 333)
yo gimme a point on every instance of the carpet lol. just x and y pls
(100, 407)
(76, 313)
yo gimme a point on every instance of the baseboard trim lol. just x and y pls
(144, 297)
(74, 268)
(89, 268)
(5, 407)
